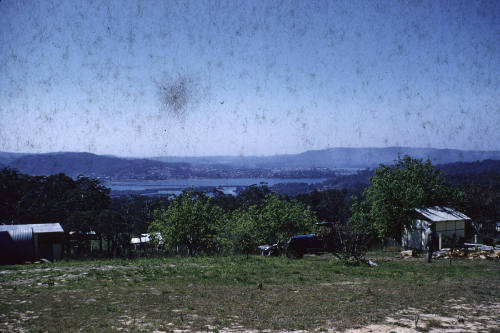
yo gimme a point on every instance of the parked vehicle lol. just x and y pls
(299, 245)
(317, 243)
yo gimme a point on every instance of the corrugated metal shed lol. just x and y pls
(447, 221)
(438, 214)
(21, 235)
(27, 242)
(39, 228)
(16, 246)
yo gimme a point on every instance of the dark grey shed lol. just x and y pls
(28, 242)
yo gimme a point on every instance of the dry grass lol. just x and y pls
(239, 294)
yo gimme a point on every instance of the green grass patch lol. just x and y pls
(211, 293)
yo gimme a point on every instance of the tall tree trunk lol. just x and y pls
(109, 246)
(129, 246)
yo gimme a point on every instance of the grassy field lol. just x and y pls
(249, 294)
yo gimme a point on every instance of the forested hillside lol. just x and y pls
(310, 164)
(74, 164)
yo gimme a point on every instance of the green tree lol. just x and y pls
(253, 195)
(228, 202)
(89, 194)
(243, 233)
(80, 224)
(110, 225)
(482, 204)
(137, 210)
(13, 185)
(274, 220)
(48, 199)
(387, 204)
(76, 204)
(191, 220)
(329, 205)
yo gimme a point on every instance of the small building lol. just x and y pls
(145, 240)
(29, 242)
(448, 223)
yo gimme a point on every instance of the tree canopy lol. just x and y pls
(386, 206)
(42, 199)
(275, 219)
(330, 205)
(191, 220)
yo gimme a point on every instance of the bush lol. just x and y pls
(275, 220)
(191, 221)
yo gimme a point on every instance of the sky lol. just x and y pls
(156, 78)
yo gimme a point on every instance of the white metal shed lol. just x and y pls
(448, 221)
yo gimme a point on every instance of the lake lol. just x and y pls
(175, 186)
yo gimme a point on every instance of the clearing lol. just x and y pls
(252, 294)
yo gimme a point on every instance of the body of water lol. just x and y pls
(175, 186)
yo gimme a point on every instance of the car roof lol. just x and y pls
(304, 236)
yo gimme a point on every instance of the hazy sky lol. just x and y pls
(246, 77)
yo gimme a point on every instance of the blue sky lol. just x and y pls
(247, 78)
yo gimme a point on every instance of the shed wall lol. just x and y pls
(416, 237)
(16, 246)
(450, 228)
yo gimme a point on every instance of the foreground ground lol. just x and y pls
(251, 294)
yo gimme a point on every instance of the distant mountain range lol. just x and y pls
(335, 158)
(166, 167)
(74, 164)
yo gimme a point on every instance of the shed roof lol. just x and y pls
(438, 213)
(39, 228)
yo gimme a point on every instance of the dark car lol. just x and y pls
(298, 245)
(318, 243)
(335, 238)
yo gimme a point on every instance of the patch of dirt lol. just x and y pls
(340, 283)
(462, 318)
(56, 275)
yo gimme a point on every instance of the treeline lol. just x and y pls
(196, 223)
(214, 222)
(96, 224)
(82, 206)
(218, 223)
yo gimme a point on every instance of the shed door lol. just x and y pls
(56, 251)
